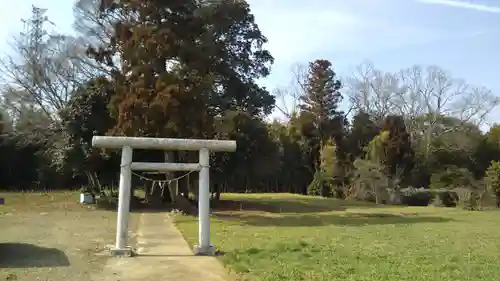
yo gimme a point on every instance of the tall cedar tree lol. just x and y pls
(182, 64)
(321, 101)
(398, 152)
(319, 111)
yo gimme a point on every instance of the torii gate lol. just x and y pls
(127, 144)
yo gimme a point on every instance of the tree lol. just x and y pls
(86, 115)
(296, 169)
(372, 91)
(452, 177)
(422, 95)
(370, 176)
(255, 163)
(182, 65)
(289, 96)
(370, 173)
(321, 101)
(363, 130)
(41, 73)
(211, 66)
(493, 180)
(323, 182)
(398, 155)
(96, 29)
(3, 122)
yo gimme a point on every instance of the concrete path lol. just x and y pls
(163, 255)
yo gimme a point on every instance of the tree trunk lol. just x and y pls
(217, 191)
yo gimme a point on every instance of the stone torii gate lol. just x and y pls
(127, 144)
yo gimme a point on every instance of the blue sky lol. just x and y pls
(460, 36)
(391, 33)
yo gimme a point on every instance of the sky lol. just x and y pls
(460, 36)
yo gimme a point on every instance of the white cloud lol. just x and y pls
(464, 5)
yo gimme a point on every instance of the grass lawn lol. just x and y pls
(50, 236)
(292, 237)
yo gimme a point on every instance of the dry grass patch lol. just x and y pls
(50, 236)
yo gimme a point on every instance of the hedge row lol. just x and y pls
(425, 197)
(465, 197)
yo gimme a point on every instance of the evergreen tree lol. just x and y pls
(322, 99)
(398, 152)
(183, 64)
(363, 130)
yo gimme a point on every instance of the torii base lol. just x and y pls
(204, 251)
(126, 252)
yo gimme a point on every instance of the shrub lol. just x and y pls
(338, 191)
(444, 198)
(358, 191)
(425, 197)
(452, 177)
(416, 197)
(492, 180)
(468, 199)
(370, 175)
(394, 196)
(475, 199)
(319, 185)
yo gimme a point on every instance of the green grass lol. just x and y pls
(291, 237)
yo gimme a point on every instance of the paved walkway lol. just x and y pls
(163, 255)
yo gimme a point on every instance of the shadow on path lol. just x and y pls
(21, 255)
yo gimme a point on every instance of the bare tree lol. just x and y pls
(288, 97)
(433, 95)
(372, 91)
(423, 96)
(95, 31)
(40, 72)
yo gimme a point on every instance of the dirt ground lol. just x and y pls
(51, 237)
